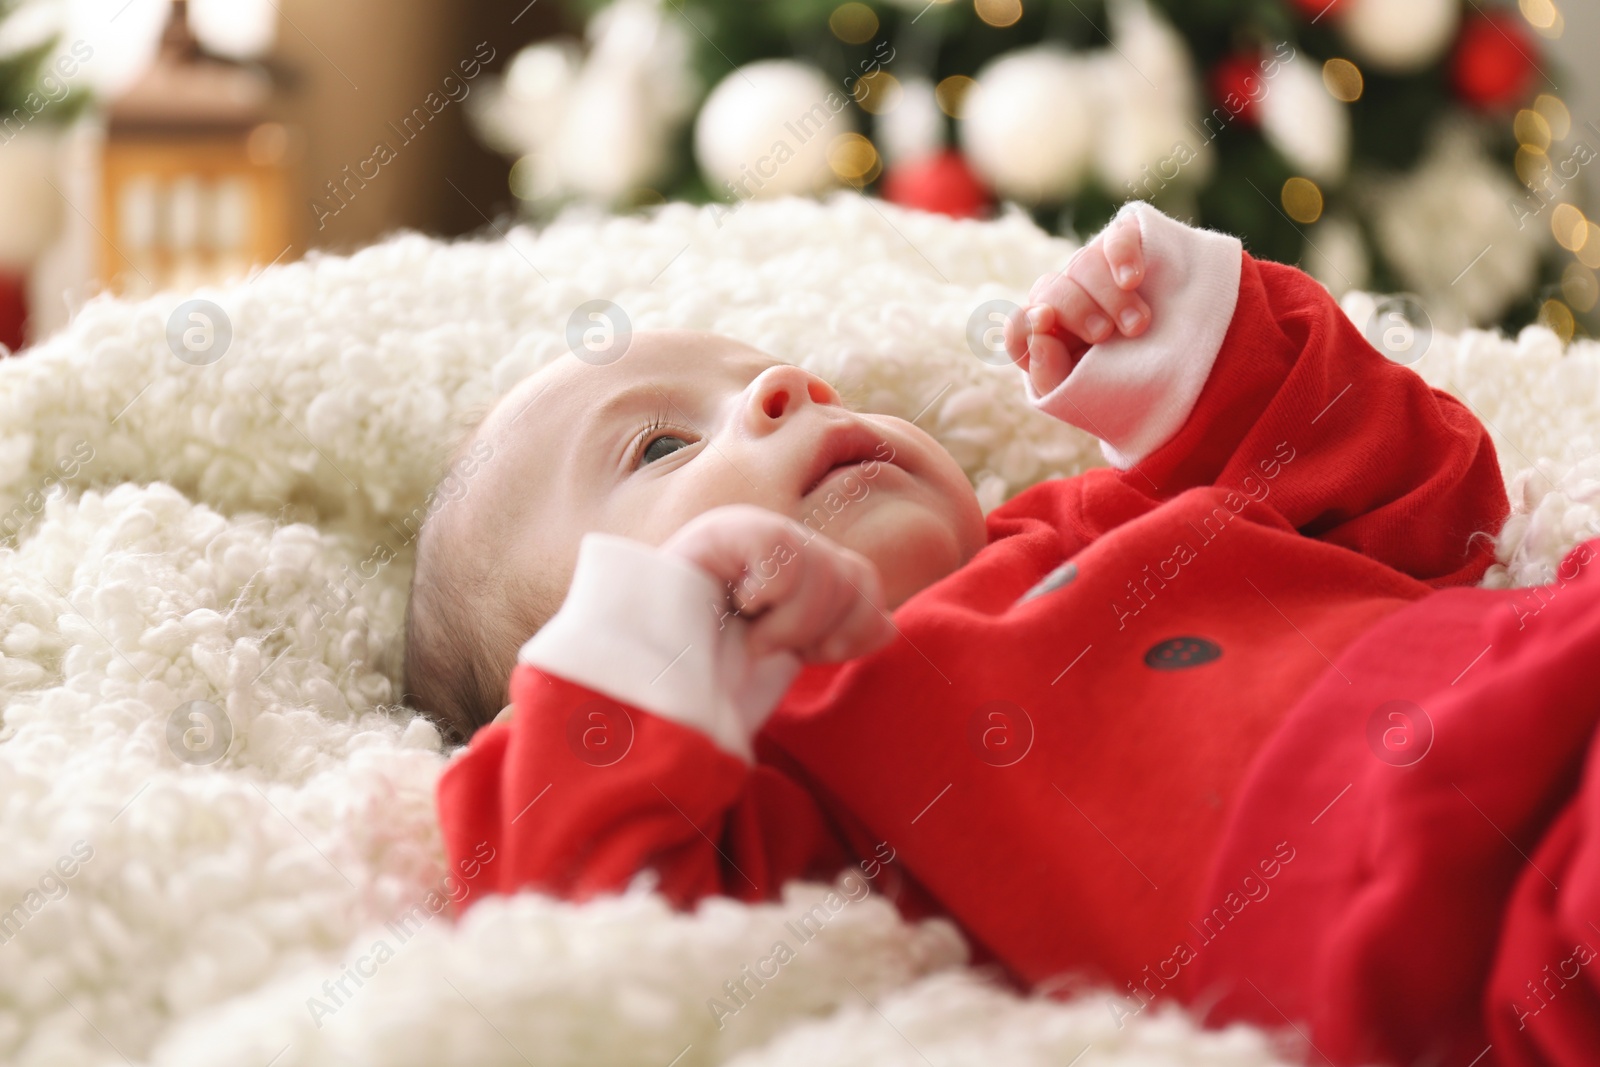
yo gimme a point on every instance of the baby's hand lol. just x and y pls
(1080, 306)
(799, 590)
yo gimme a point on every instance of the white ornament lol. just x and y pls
(124, 38)
(238, 29)
(1153, 49)
(1148, 99)
(605, 147)
(1026, 124)
(913, 128)
(652, 49)
(597, 127)
(765, 129)
(1146, 138)
(522, 112)
(29, 25)
(1336, 255)
(1304, 122)
(1446, 230)
(1399, 36)
(630, 95)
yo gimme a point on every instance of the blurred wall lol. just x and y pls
(353, 70)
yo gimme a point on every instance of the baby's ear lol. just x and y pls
(505, 714)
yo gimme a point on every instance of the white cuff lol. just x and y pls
(1135, 393)
(651, 629)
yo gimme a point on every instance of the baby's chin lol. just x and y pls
(914, 542)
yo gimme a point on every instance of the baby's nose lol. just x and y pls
(780, 391)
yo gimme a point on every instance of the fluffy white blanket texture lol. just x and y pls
(209, 557)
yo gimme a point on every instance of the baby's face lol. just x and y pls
(687, 421)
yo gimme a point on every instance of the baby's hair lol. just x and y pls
(466, 617)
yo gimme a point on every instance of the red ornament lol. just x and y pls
(1316, 10)
(13, 309)
(941, 183)
(1493, 66)
(1237, 87)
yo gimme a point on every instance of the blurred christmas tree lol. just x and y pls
(1395, 145)
(30, 83)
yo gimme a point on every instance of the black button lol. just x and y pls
(1180, 652)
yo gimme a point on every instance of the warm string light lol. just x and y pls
(1588, 252)
(1343, 80)
(1537, 128)
(853, 23)
(951, 92)
(1558, 318)
(1580, 287)
(1001, 13)
(1302, 200)
(1544, 16)
(877, 92)
(1532, 130)
(1555, 115)
(854, 159)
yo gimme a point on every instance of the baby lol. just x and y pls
(492, 569)
(754, 635)
(562, 472)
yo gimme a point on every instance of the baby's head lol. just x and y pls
(683, 422)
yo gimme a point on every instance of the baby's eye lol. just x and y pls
(652, 452)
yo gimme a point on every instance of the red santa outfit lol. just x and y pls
(1053, 749)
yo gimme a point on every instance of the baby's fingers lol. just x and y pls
(1124, 252)
(863, 626)
(1050, 360)
(1023, 324)
(1125, 307)
(835, 612)
(1075, 309)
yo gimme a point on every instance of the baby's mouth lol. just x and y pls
(847, 445)
(831, 471)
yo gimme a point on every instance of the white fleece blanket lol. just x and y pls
(238, 533)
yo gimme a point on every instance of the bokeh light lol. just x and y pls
(1571, 229)
(951, 92)
(1343, 79)
(1555, 115)
(999, 13)
(1532, 130)
(1558, 317)
(1302, 200)
(1589, 251)
(878, 92)
(1532, 165)
(1580, 287)
(1544, 16)
(853, 23)
(854, 159)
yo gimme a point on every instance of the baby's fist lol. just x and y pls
(1093, 298)
(799, 590)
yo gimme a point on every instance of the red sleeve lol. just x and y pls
(579, 793)
(1382, 463)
